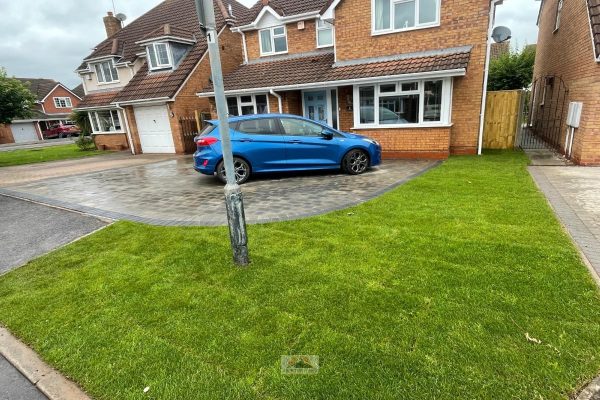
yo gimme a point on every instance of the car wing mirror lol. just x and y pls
(327, 134)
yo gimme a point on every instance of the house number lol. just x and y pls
(210, 37)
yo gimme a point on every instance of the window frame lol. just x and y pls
(252, 103)
(391, 29)
(158, 65)
(98, 68)
(320, 29)
(445, 106)
(67, 101)
(272, 37)
(95, 122)
(559, 8)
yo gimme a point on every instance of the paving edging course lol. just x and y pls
(49, 381)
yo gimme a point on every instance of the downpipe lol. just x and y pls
(279, 101)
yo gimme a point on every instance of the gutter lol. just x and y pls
(493, 5)
(278, 96)
(129, 138)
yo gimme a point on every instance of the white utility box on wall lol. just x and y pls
(574, 115)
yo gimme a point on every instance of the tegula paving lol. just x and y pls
(172, 193)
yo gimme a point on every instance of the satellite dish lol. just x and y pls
(121, 17)
(501, 34)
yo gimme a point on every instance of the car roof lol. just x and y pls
(255, 116)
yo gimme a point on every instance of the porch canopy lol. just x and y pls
(318, 69)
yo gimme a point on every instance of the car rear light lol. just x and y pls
(205, 163)
(201, 142)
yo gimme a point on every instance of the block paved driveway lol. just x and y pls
(574, 193)
(172, 193)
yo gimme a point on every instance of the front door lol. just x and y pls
(315, 106)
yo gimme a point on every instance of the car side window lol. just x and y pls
(261, 126)
(298, 127)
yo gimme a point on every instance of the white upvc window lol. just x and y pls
(106, 72)
(106, 121)
(273, 40)
(403, 104)
(403, 15)
(248, 104)
(325, 34)
(559, 8)
(159, 56)
(62, 102)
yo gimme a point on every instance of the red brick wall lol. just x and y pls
(299, 40)
(576, 65)
(463, 23)
(111, 141)
(59, 92)
(6, 135)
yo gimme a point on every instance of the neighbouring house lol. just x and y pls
(408, 73)
(53, 106)
(79, 91)
(142, 80)
(567, 70)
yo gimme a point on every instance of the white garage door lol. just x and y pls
(24, 132)
(154, 129)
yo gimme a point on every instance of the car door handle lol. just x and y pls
(295, 141)
(246, 140)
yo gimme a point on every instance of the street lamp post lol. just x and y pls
(233, 195)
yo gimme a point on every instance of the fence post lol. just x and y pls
(198, 122)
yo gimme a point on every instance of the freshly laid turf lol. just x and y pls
(54, 153)
(428, 292)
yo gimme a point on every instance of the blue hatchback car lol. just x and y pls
(280, 142)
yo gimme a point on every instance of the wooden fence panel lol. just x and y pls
(502, 119)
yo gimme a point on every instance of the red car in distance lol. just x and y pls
(61, 131)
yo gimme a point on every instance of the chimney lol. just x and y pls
(112, 24)
(265, 2)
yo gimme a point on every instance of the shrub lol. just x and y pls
(85, 143)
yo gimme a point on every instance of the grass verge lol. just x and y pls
(53, 153)
(427, 292)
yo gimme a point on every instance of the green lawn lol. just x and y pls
(53, 153)
(427, 292)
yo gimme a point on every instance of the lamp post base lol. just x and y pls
(234, 201)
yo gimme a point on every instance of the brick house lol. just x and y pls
(141, 79)
(54, 104)
(568, 52)
(408, 73)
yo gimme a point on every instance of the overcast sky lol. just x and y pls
(49, 38)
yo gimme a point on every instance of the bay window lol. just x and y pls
(324, 34)
(399, 15)
(273, 41)
(403, 104)
(106, 121)
(106, 72)
(247, 105)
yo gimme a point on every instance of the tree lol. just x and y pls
(82, 120)
(16, 100)
(513, 70)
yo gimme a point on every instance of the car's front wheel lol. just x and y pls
(355, 162)
(241, 168)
